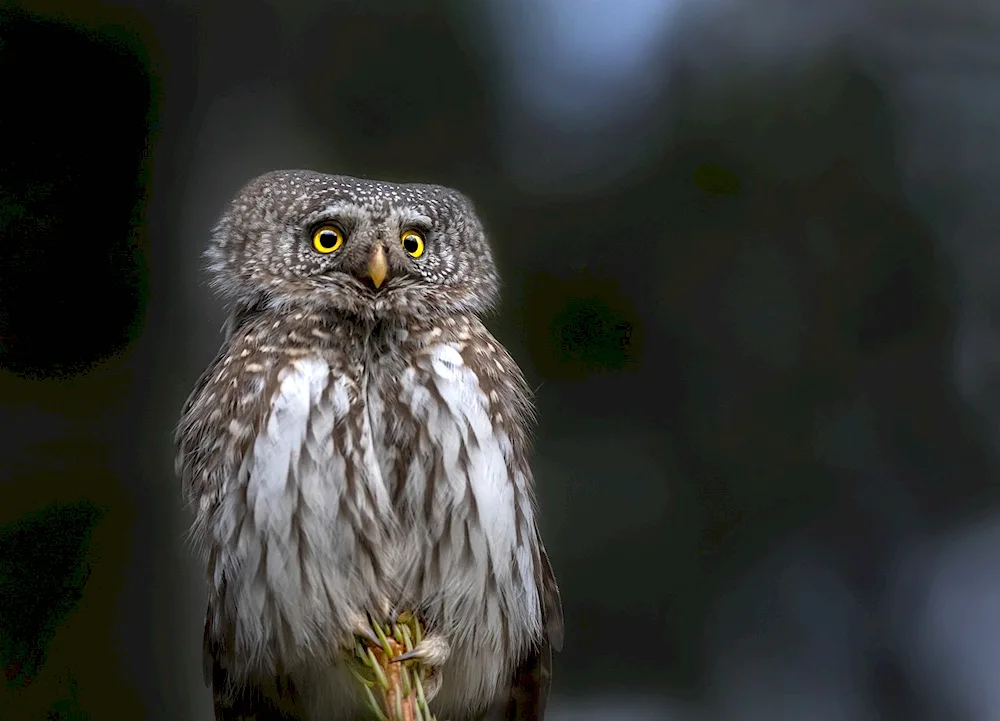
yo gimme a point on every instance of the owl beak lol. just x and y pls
(378, 267)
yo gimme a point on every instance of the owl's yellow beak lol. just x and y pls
(378, 266)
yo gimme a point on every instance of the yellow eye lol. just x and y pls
(413, 243)
(328, 238)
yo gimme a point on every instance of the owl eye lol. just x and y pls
(413, 243)
(328, 238)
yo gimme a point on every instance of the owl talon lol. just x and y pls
(432, 651)
(363, 629)
(368, 635)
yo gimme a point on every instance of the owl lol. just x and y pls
(360, 444)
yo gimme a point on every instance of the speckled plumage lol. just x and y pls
(352, 447)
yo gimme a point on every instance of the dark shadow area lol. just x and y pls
(75, 118)
(42, 574)
(75, 121)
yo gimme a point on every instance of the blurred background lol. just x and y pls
(751, 268)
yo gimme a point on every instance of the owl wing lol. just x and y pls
(529, 690)
(219, 387)
(500, 377)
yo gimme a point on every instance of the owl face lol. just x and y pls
(376, 250)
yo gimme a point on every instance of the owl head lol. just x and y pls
(371, 249)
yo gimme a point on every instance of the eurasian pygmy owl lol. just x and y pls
(360, 443)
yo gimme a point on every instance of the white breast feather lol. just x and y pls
(459, 387)
(291, 584)
(457, 415)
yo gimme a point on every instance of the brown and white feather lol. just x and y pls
(349, 448)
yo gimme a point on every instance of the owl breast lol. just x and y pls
(386, 477)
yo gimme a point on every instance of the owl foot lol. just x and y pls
(429, 655)
(361, 626)
(432, 651)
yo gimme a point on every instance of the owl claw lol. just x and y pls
(363, 629)
(432, 651)
(368, 635)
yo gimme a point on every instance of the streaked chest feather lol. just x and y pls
(396, 481)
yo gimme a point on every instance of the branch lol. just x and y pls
(394, 690)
